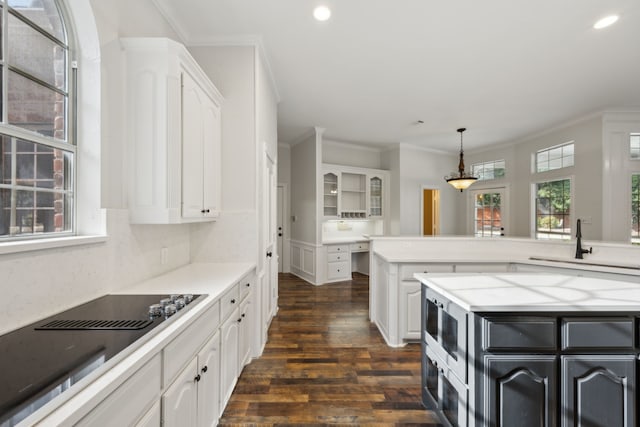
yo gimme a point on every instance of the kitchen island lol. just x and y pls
(530, 349)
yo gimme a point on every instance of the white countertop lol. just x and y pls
(534, 292)
(198, 278)
(337, 240)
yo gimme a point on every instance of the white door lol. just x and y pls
(489, 218)
(280, 224)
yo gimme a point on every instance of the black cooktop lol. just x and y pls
(42, 360)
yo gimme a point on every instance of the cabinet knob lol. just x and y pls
(233, 301)
(243, 314)
(197, 378)
(239, 319)
(269, 254)
(204, 368)
(248, 285)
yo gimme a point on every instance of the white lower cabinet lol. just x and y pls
(152, 418)
(245, 333)
(229, 368)
(180, 401)
(409, 312)
(193, 398)
(130, 401)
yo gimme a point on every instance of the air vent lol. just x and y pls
(94, 325)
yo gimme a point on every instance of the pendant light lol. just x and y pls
(460, 180)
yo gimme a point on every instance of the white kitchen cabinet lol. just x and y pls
(209, 383)
(194, 397)
(131, 400)
(330, 198)
(409, 310)
(375, 193)
(229, 368)
(174, 134)
(245, 333)
(180, 401)
(338, 262)
(153, 417)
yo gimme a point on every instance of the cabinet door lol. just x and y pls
(520, 390)
(180, 401)
(330, 194)
(409, 309)
(599, 390)
(152, 418)
(209, 384)
(193, 104)
(244, 341)
(229, 355)
(211, 152)
(376, 192)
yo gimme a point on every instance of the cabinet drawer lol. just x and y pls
(597, 333)
(336, 256)
(245, 287)
(519, 333)
(338, 270)
(337, 248)
(229, 301)
(129, 402)
(408, 270)
(359, 247)
(179, 351)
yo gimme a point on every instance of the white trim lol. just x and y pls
(505, 189)
(353, 145)
(42, 244)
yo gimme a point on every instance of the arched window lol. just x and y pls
(37, 146)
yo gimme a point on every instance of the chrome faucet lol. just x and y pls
(579, 250)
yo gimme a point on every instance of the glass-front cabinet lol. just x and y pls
(375, 196)
(353, 195)
(330, 194)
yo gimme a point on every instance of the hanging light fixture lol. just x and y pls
(460, 180)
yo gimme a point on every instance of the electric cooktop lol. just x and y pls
(42, 360)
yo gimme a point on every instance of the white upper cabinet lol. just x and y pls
(354, 193)
(174, 134)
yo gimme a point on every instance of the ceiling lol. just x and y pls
(504, 69)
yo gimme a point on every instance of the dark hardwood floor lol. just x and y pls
(326, 363)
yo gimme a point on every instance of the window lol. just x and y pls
(635, 209)
(557, 157)
(37, 150)
(488, 214)
(634, 145)
(488, 170)
(553, 206)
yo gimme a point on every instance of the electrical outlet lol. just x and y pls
(164, 256)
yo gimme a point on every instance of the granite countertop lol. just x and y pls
(534, 292)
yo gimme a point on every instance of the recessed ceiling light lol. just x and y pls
(322, 13)
(605, 22)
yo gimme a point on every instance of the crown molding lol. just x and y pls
(170, 18)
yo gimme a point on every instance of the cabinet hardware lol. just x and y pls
(204, 368)
(197, 378)
(269, 254)
(248, 285)
(239, 319)
(243, 314)
(233, 301)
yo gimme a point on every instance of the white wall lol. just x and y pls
(234, 236)
(586, 175)
(390, 160)
(418, 168)
(346, 154)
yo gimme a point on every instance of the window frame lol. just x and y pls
(533, 205)
(488, 162)
(536, 168)
(70, 142)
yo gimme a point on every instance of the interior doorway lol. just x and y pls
(430, 211)
(280, 224)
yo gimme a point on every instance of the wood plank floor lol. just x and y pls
(326, 363)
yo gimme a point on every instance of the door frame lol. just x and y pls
(284, 253)
(422, 188)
